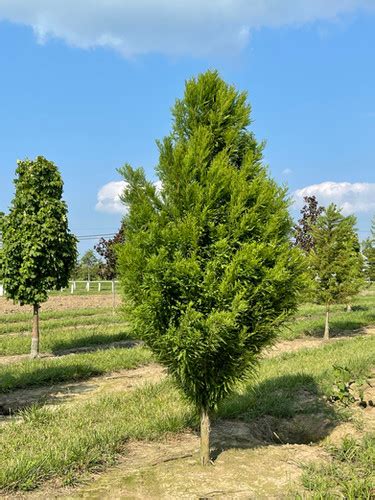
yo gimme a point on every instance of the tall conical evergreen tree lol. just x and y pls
(39, 252)
(335, 261)
(208, 269)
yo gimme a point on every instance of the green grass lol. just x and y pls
(47, 315)
(60, 340)
(52, 324)
(310, 318)
(308, 370)
(70, 441)
(350, 474)
(32, 373)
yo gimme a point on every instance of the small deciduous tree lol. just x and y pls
(106, 249)
(335, 262)
(207, 267)
(88, 266)
(303, 230)
(38, 251)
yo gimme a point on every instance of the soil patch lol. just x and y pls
(63, 302)
(170, 469)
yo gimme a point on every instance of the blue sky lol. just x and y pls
(92, 89)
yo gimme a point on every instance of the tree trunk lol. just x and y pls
(205, 437)
(348, 308)
(326, 329)
(35, 334)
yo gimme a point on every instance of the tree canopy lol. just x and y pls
(38, 251)
(335, 262)
(303, 230)
(107, 250)
(207, 267)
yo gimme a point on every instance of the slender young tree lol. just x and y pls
(39, 251)
(303, 230)
(207, 267)
(335, 261)
(89, 265)
(368, 247)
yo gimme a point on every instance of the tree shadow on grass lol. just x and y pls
(92, 343)
(284, 410)
(360, 308)
(343, 328)
(43, 384)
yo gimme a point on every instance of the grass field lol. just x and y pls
(310, 318)
(350, 473)
(289, 400)
(62, 330)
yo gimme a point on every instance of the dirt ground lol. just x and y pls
(247, 464)
(57, 302)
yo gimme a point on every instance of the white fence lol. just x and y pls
(98, 286)
(76, 286)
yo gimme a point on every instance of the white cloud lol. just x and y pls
(109, 198)
(351, 197)
(196, 27)
(159, 186)
(287, 171)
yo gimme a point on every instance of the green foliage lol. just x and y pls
(207, 268)
(303, 230)
(88, 267)
(369, 254)
(335, 262)
(39, 251)
(342, 385)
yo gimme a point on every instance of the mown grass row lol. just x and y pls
(341, 323)
(58, 341)
(32, 373)
(52, 324)
(70, 441)
(24, 316)
(310, 318)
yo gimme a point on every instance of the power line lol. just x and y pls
(90, 236)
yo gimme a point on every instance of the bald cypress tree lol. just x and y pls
(39, 252)
(208, 269)
(335, 263)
